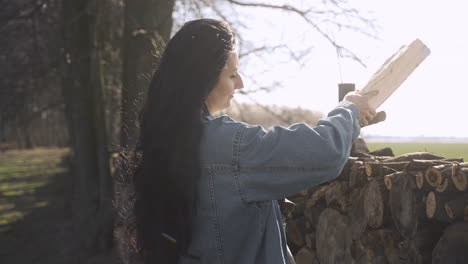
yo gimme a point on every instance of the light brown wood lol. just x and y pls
(460, 177)
(395, 71)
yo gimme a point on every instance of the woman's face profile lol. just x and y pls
(229, 81)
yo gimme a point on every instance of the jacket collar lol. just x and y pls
(206, 114)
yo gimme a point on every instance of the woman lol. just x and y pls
(205, 188)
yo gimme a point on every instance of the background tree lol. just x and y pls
(148, 25)
(83, 94)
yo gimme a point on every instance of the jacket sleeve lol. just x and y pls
(282, 161)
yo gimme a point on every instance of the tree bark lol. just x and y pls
(92, 210)
(405, 206)
(333, 238)
(148, 25)
(453, 245)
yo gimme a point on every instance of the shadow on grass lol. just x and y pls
(35, 222)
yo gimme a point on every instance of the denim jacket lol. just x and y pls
(245, 169)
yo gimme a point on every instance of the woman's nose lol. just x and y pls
(240, 83)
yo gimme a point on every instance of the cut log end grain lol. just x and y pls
(431, 204)
(419, 177)
(459, 178)
(443, 186)
(390, 179)
(456, 209)
(433, 176)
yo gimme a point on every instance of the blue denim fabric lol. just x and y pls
(245, 169)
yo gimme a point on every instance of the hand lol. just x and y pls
(362, 103)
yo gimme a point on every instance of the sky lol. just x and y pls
(432, 102)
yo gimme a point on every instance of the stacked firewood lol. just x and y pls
(384, 209)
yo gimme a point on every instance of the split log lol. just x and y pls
(453, 245)
(395, 71)
(405, 206)
(457, 209)
(415, 156)
(333, 238)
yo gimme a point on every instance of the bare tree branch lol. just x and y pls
(304, 15)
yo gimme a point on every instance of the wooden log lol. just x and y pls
(373, 204)
(435, 206)
(357, 216)
(422, 165)
(376, 169)
(383, 245)
(415, 156)
(420, 181)
(460, 177)
(306, 256)
(312, 213)
(310, 240)
(405, 206)
(295, 230)
(453, 245)
(382, 152)
(395, 71)
(435, 175)
(457, 208)
(409, 253)
(333, 238)
(391, 178)
(426, 238)
(357, 176)
(336, 196)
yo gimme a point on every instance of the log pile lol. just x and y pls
(383, 209)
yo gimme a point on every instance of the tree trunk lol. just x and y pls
(148, 25)
(92, 210)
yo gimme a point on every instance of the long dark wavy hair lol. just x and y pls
(162, 185)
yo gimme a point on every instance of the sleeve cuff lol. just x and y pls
(352, 107)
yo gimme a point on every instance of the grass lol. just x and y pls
(447, 150)
(23, 173)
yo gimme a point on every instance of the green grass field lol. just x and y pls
(447, 150)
